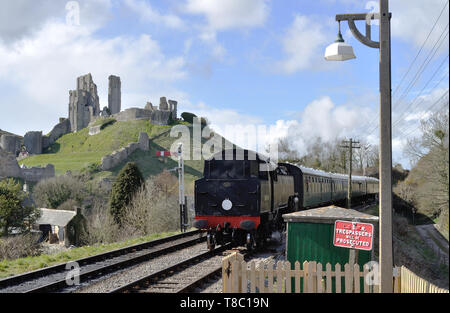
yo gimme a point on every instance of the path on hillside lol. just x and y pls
(435, 241)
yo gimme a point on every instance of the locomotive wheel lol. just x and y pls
(250, 242)
(210, 242)
(260, 239)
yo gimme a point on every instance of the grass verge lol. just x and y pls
(22, 265)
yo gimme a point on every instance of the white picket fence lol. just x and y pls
(239, 276)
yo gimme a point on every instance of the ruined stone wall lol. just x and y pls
(173, 108)
(33, 142)
(163, 106)
(114, 159)
(60, 129)
(133, 114)
(10, 143)
(160, 117)
(8, 165)
(35, 174)
(114, 94)
(154, 116)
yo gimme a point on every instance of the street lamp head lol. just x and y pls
(339, 50)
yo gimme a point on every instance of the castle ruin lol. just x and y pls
(84, 103)
(114, 94)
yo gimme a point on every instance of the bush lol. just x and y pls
(53, 192)
(19, 246)
(127, 183)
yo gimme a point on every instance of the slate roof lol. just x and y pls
(55, 217)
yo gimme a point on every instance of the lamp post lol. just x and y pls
(338, 51)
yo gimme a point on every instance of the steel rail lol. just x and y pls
(146, 281)
(83, 277)
(28, 276)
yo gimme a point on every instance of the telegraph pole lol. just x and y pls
(385, 169)
(349, 144)
(386, 248)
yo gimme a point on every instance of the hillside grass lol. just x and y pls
(76, 151)
(22, 265)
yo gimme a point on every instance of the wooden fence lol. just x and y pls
(242, 277)
(411, 283)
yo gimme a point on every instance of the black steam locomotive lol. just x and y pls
(243, 195)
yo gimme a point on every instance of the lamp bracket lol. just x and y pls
(351, 18)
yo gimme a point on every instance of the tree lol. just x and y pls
(430, 154)
(126, 185)
(188, 117)
(12, 213)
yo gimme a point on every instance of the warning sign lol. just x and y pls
(353, 235)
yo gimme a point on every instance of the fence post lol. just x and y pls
(262, 277)
(235, 275)
(270, 276)
(356, 278)
(305, 276)
(329, 280)
(337, 269)
(252, 277)
(244, 276)
(366, 273)
(287, 270)
(297, 276)
(319, 277)
(279, 277)
(348, 278)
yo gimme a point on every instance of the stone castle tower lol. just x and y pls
(114, 94)
(84, 103)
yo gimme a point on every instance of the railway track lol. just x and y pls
(53, 279)
(181, 277)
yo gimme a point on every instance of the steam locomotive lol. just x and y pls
(242, 195)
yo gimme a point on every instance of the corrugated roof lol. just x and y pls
(329, 214)
(55, 217)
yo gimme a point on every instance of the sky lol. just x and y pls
(235, 62)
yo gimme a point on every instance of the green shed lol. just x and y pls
(310, 236)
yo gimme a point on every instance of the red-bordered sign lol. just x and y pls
(163, 153)
(353, 235)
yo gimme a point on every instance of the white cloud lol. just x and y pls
(230, 14)
(37, 72)
(412, 20)
(226, 15)
(28, 17)
(320, 118)
(304, 44)
(148, 14)
(323, 118)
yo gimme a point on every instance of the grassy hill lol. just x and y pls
(78, 151)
